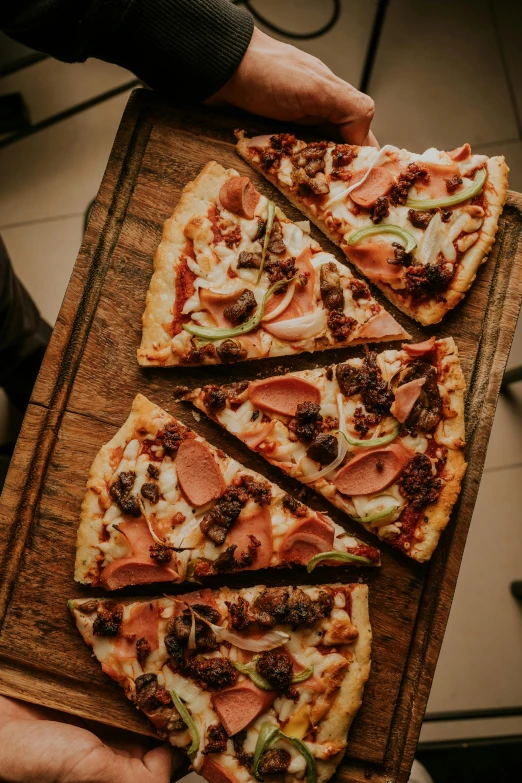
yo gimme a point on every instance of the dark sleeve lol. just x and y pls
(187, 48)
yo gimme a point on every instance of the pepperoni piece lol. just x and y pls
(379, 326)
(460, 153)
(372, 259)
(199, 475)
(282, 394)
(415, 350)
(214, 772)
(256, 436)
(135, 571)
(238, 706)
(259, 525)
(378, 183)
(142, 624)
(405, 398)
(371, 471)
(239, 196)
(137, 533)
(216, 304)
(307, 538)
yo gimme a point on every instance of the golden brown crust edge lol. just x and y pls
(431, 312)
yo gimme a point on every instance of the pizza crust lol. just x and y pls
(430, 312)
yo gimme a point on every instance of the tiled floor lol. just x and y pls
(446, 72)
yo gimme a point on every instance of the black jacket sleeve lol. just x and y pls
(187, 48)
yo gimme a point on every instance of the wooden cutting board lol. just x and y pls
(84, 393)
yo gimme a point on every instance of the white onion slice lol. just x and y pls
(269, 641)
(429, 243)
(192, 636)
(147, 520)
(377, 160)
(259, 141)
(342, 447)
(283, 304)
(302, 328)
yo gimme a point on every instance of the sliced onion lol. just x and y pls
(429, 243)
(283, 304)
(149, 525)
(258, 141)
(269, 641)
(192, 636)
(378, 159)
(302, 328)
(342, 447)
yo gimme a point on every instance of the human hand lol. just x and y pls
(37, 744)
(279, 81)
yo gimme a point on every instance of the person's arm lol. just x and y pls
(194, 50)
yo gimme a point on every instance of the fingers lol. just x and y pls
(161, 762)
(353, 112)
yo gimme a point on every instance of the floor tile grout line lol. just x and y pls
(498, 468)
(50, 219)
(505, 68)
(512, 140)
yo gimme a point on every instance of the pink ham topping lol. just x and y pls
(135, 571)
(138, 535)
(382, 325)
(378, 183)
(253, 437)
(435, 186)
(142, 624)
(238, 706)
(460, 153)
(371, 471)
(416, 350)
(239, 196)
(258, 525)
(199, 475)
(282, 394)
(372, 259)
(405, 398)
(216, 304)
(307, 538)
(303, 300)
(214, 772)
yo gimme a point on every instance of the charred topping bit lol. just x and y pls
(88, 606)
(248, 260)
(217, 739)
(160, 553)
(120, 491)
(340, 325)
(330, 287)
(231, 351)
(179, 628)
(223, 514)
(174, 647)
(227, 562)
(239, 614)
(306, 184)
(401, 257)
(350, 379)
(452, 183)
(445, 215)
(259, 491)
(306, 421)
(213, 673)
(235, 390)
(275, 242)
(363, 421)
(245, 759)
(170, 437)
(278, 269)
(427, 410)
(342, 155)
(283, 142)
(367, 380)
(150, 491)
(428, 279)
(359, 289)
(108, 620)
(153, 471)
(242, 309)
(281, 605)
(294, 507)
(399, 191)
(418, 484)
(214, 398)
(261, 229)
(323, 448)
(420, 218)
(276, 668)
(312, 152)
(380, 209)
(274, 761)
(143, 649)
(150, 695)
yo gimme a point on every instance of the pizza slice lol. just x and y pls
(163, 505)
(418, 226)
(234, 279)
(381, 438)
(251, 683)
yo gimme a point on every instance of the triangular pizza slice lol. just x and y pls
(163, 505)
(251, 683)
(381, 437)
(234, 279)
(418, 226)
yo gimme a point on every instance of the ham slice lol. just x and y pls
(381, 326)
(238, 195)
(416, 350)
(438, 174)
(378, 183)
(307, 538)
(372, 259)
(199, 475)
(137, 533)
(135, 571)
(460, 153)
(257, 435)
(405, 398)
(142, 624)
(214, 772)
(371, 471)
(238, 706)
(216, 303)
(282, 394)
(303, 300)
(259, 525)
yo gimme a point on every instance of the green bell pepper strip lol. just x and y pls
(304, 675)
(187, 718)
(250, 670)
(223, 333)
(270, 734)
(70, 605)
(377, 515)
(470, 192)
(410, 243)
(345, 557)
(269, 223)
(367, 444)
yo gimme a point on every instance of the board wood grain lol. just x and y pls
(84, 392)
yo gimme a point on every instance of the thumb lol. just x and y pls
(353, 114)
(161, 762)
